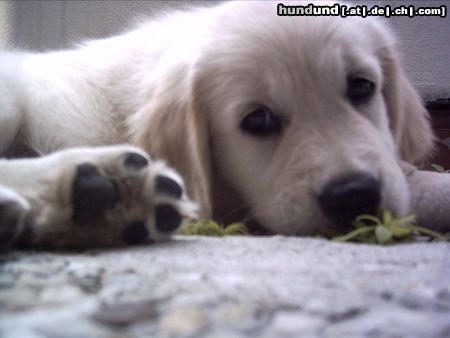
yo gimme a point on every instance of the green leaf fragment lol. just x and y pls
(402, 221)
(387, 229)
(430, 233)
(383, 234)
(212, 228)
(369, 229)
(365, 218)
(437, 167)
(236, 229)
(400, 231)
(387, 216)
(355, 234)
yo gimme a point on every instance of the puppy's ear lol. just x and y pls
(171, 128)
(409, 119)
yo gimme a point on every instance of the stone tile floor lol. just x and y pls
(229, 287)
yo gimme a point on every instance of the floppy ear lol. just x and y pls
(409, 119)
(171, 128)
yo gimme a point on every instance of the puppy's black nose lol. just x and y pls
(346, 197)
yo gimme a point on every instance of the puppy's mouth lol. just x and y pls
(256, 228)
(328, 230)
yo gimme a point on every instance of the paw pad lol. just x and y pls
(135, 233)
(167, 218)
(91, 194)
(135, 160)
(168, 186)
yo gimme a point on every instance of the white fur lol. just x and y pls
(179, 86)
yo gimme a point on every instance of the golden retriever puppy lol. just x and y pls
(299, 123)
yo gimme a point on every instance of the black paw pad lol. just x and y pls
(135, 233)
(168, 186)
(91, 194)
(135, 160)
(167, 218)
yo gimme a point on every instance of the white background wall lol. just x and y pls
(57, 24)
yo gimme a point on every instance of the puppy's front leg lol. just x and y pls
(88, 197)
(430, 197)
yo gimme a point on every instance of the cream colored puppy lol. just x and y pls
(299, 123)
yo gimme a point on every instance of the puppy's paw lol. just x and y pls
(109, 196)
(13, 210)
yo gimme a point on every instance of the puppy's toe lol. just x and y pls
(135, 233)
(135, 160)
(92, 194)
(167, 218)
(166, 185)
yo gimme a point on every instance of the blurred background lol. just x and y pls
(53, 24)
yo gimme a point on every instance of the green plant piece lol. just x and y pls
(355, 235)
(387, 229)
(383, 234)
(369, 229)
(212, 228)
(439, 168)
(236, 229)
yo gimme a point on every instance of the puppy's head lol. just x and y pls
(309, 117)
(301, 121)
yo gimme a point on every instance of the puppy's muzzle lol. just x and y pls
(346, 197)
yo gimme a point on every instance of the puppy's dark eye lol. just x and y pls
(261, 122)
(360, 90)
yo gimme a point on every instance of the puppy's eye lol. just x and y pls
(261, 122)
(360, 90)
